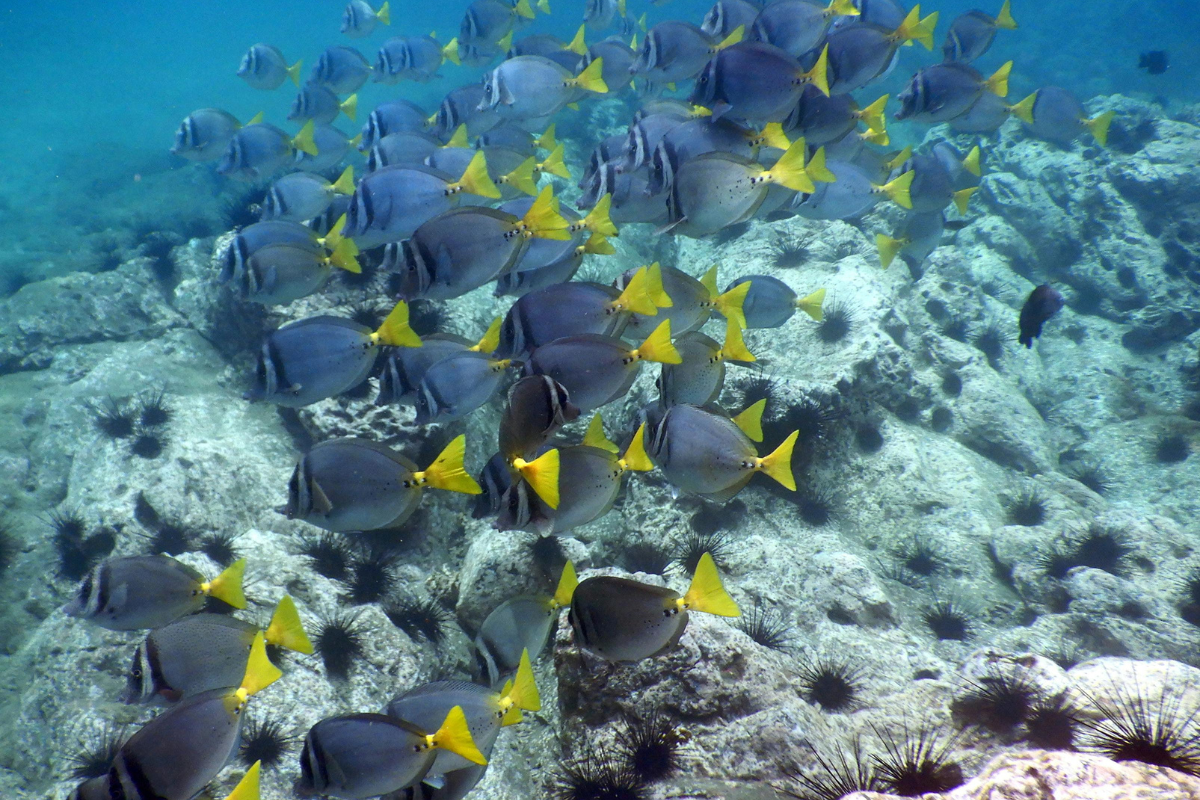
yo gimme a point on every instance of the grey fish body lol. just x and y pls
(795, 26)
(332, 147)
(402, 149)
(528, 87)
(600, 14)
(698, 380)
(392, 117)
(1057, 116)
(312, 359)
(932, 187)
(518, 624)
(821, 119)
(770, 303)
(611, 150)
(673, 51)
(256, 152)
(554, 265)
(922, 233)
(858, 54)
(494, 481)
(414, 58)
(688, 310)
(537, 407)
(486, 21)
(886, 14)
(986, 115)
(461, 107)
(195, 654)
(281, 273)
(357, 756)
(700, 451)
(205, 134)
(941, 92)
(850, 196)
(263, 67)
(404, 367)
(457, 385)
(955, 165)
(646, 133)
(594, 369)
(695, 138)
(341, 70)
(359, 19)
(618, 57)
(563, 309)
(969, 37)
(460, 250)
(620, 619)
(316, 102)
(391, 203)
(632, 200)
(714, 191)
(426, 706)
(252, 238)
(352, 485)
(508, 135)
(725, 16)
(297, 197)
(136, 592)
(751, 81)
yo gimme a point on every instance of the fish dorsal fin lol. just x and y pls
(565, 590)
(595, 435)
(448, 471)
(577, 44)
(654, 285)
(812, 304)
(260, 672)
(227, 587)
(778, 464)
(542, 475)
(735, 36)
(888, 247)
(749, 421)
(459, 139)
(734, 348)
(657, 346)
(454, 735)
(286, 629)
(707, 593)
(395, 330)
(491, 338)
(554, 163)
(248, 787)
(635, 457)
(635, 296)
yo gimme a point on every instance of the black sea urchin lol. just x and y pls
(597, 775)
(835, 777)
(153, 409)
(96, 753)
(694, 544)
(419, 618)
(267, 740)
(219, 548)
(1051, 724)
(645, 557)
(948, 620)
(652, 747)
(329, 554)
(1171, 448)
(372, 577)
(1027, 508)
(913, 765)
(839, 320)
(1160, 730)
(149, 443)
(339, 641)
(831, 683)
(992, 338)
(998, 701)
(113, 419)
(789, 252)
(767, 626)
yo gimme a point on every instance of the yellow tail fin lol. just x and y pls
(598, 245)
(658, 347)
(591, 79)
(543, 6)
(248, 787)
(971, 162)
(355, 141)
(395, 330)
(491, 338)
(286, 629)
(841, 8)
(294, 72)
(735, 36)
(789, 169)
(565, 590)
(349, 106)
(901, 157)
(925, 30)
(227, 586)
(450, 52)
(257, 118)
(448, 471)
(817, 170)
(512, 715)
(384, 14)
(1024, 109)
(707, 594)
(522, 178)
(873, 115)
(522, 9)
(459, 137)
(818, 76)
(749, 421)
(962, 197)
(505, 43)
(812, 305)
(455, 735)
(304, 141)
(888, 249)
(636, 297)
(998, 83)
(345, 182)
(595, 435)
(344, 256)
(547, 141)
(1005, 18)
(542, 475)
(772, 135)
(475, 179)
(555, 165)
(577, 45)
(635, 457)
(1099, 126)
(779, 463)
(880, 138)
(730, 304)
(598, 219)
(735, 348)
(543, 220)
(260, 672)
(524, 692)
(654, 285)
(897, 190)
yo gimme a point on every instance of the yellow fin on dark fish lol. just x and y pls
(595, 435)
(286, 629)
(248, 787)
(542, 475)
(778, 464)
(448, 471)
(657, 346)
(565, 590)
(707, 593)
(395, 330)
(812, 304)
(227, 587)
(454, 735)
(635, 458)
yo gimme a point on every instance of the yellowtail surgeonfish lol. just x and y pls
(520, 628)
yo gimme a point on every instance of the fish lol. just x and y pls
(404, 367)
(258, 151)
(365, 755)
(341, 70)
(353, 484)
(176, 754)
(391, 203)
(797, 26)
(860, 53)
(129, 593)
(919, 236)
(705, 135)
(1043, 303)
(716, 190)
(461, 107)
(1155, 62)
(685, 301)
(359, 19)
(537, 407)
(726, 16)
(705, 452)
(278, 274)
(964, 171)
(205, 134)
(248, 787)
(572, 309)
(971, 34)
(944, 91)
(393, 117)
(414, 58)
(676, 51)
(601, 14)
(301, 196)
(1055, 114)
(406, 149)
(616, 58)
(318, 357)
(756, 82)
(699, 377)
(531, 87)
(319, 104)
(485, 709)
(254, 237)
(494, 479)
(512, 136)
(988, 113)
(886, 14)
(630, 198)
(596, 370)
(823, 119)
(518, 629)
(932, 187)
(613, 150)
(332, 146)
(264, 67)
(465, 248)
(852, 194)
(489, 21)
(202, 652)
(457, 385)
(549, 261)
(647, 132)
(620, 619)
(770, 302)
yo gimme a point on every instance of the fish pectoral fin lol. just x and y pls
(320, 500)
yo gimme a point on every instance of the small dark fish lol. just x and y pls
(971, 34)
(1043, 303)
(1155, 62)
(537, 407)
(519, 628)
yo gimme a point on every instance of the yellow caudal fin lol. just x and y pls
(248, 787)
(543, 6)
(577, 45)
(789, 169)
(707, 594)
(841, 8)
(997, 84)
(899, 159)
(813, 304)
(542, 475)
(355, 141)
(873, 115)
(384, 13)
(658, 347)
(971, 163)
(735, 36)
(260, 672)
(598, 219)
(565, 590)
(654, 285)
(286, 630)
(1099, 126)
(475, 179)
(523, 9)
(925, 30)
(395, 330)
(294, 72)
(524, 692)
(455, 735)
(598, 245)
(818, 76)
(543, 220)
(749, 421)
(448, 471)
(450, 52)
(734, 348)
(635, 297)
(505, 43)
(227, 587)
(547, 141)
(817, 170)
(772, 135)
(897, 190)
(730, 304)
(513, 714)
(1005, 18)
(555, 165)
(962, 197)
(1024, 109)
(591, 79)
(345, 182)
(635, 457)
(304, 141)
(595, 435)
(349, 106)
(491, 338)
(880, 138)
(522, 178)
(257, 118)
(778, 464)
(888, 248)
(344, 256)
(459, 137)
